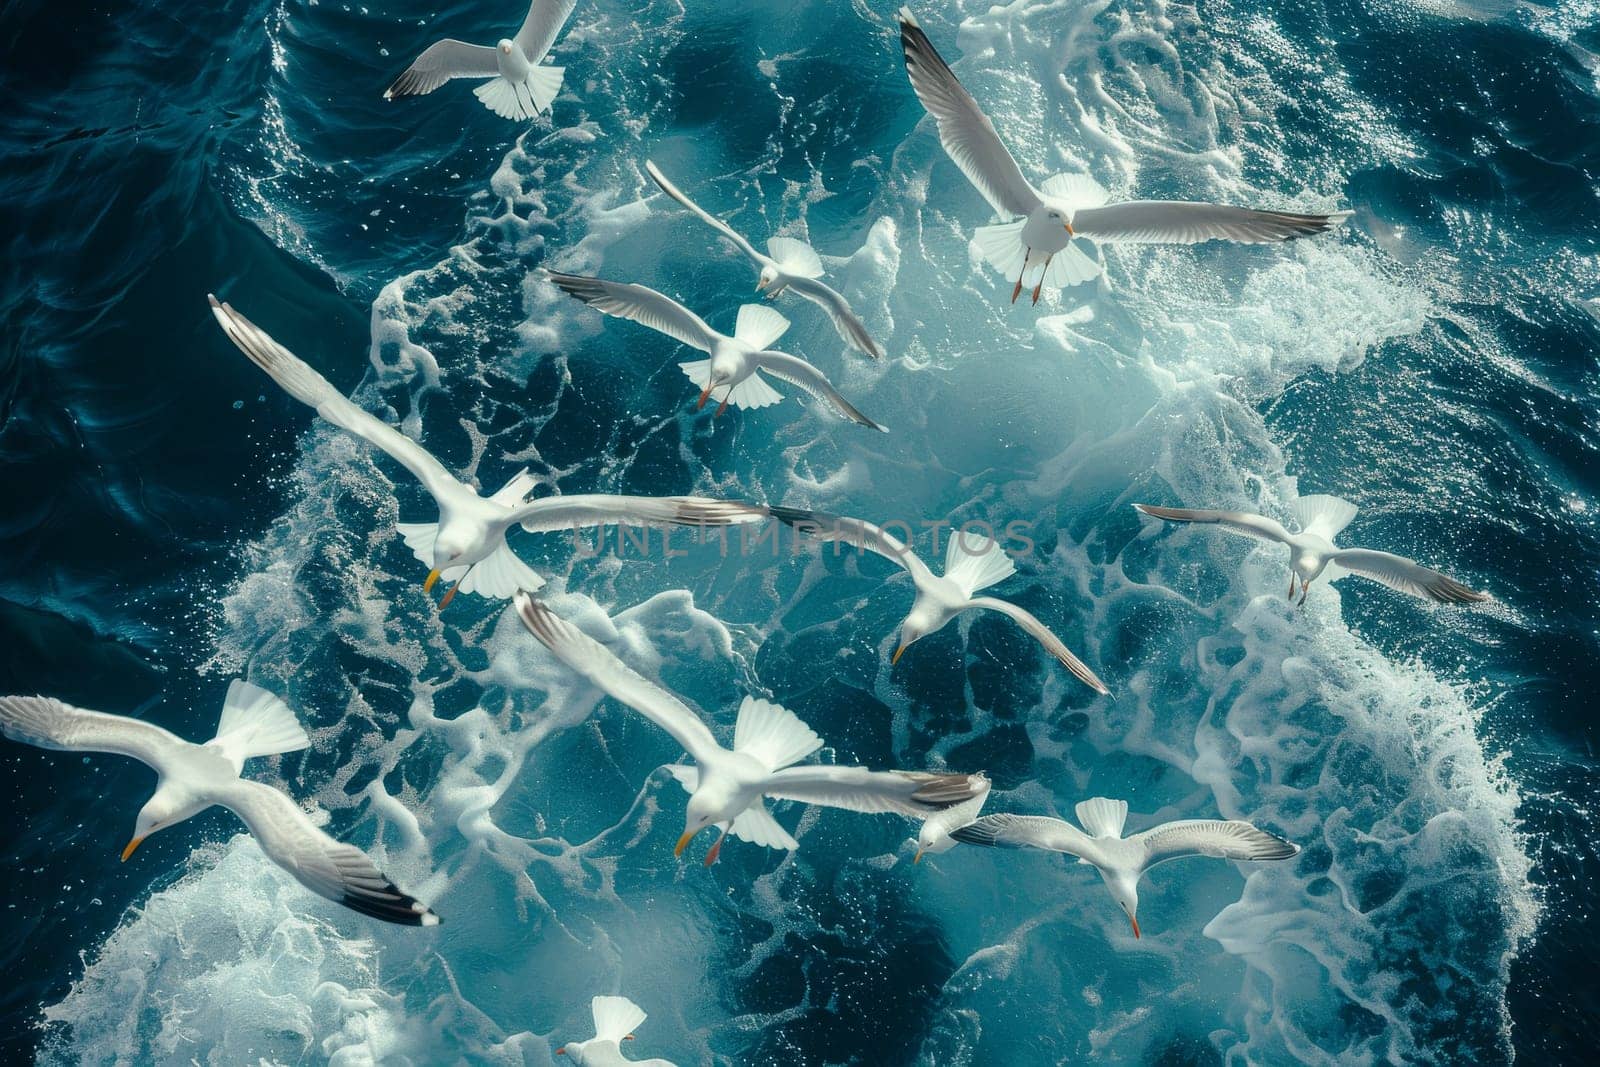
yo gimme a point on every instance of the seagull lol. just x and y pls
(726, 787)
(1312, 552)
(935, 835)
(467, 546)
(191, 778)
(735, 363)
(940, 599)
(790, 265)
(615, 1019)
(1067, 205)
(1120, 860)
(520, 88)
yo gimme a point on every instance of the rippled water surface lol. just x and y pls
(172, 520)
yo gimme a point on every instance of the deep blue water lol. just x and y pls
(171, 520)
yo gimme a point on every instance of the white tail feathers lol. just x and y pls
(756, 825)
(975, 562)
(1101, 817)
(759, 325)
(1001, 246)
(615, 1017)
(795, 257)
(499, 575)
(254, 722)
(1077, 190)
(512, 493)
(524, 99)
(545, 84)
(753, 392)
(772, 734)
(1323, 515)
(1070, 267)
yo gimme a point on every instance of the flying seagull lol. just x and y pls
(967, 569)
(191, 778)
(1312, 552)
(467, 546)
(519, 87)
(790, 265)
(936, 828)
(736, 362)
(1120, 860)
(727, 787)
(615, 1020)
(1067, 205)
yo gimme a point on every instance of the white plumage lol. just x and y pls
(1313, 554)
(791, 265)
(518, 86)
(194, 777)
(971, 564)
(727, 787)
(1120, 860)
(1066, 205)
(467, 546)
(736, 364)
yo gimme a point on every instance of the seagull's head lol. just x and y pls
(166, 808)
(706, 808)
(448, 551)
(505, 46)
(917, 626)
(769, 278)
(932, 838)
(1125, 891)
(1061, 217)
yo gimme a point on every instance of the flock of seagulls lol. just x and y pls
(729, 786)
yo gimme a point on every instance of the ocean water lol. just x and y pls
(172, 520)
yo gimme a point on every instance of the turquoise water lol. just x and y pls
(172, 521)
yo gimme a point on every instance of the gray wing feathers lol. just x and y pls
(440, 62)
(640, 304)
(542, 26)
(848, 324)
(1407, 576)
(799, 373)
(46, 722)
(1023, 831)
(1185, 222)
(969, 138)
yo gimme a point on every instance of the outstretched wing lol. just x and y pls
(1228, 839)
(705, 216)
(910, 793)
(542, 26)
(1407, 576)
(965, 131)
(1041, 633)
(333, 869)
(1241, 522)
(798, 372)
(610, 675)
(1025, 831)
(822, 526)
(641, 304)
(309, 387)
(1183, 222)
(440, 62)
(598, 509)
(851, 329)
(50, 723)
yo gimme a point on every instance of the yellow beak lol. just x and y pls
(1135, 923)
(918, 857)
(1068, 225)
(433, 576)
(897, 654)
(683, 842)
(135, 843)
